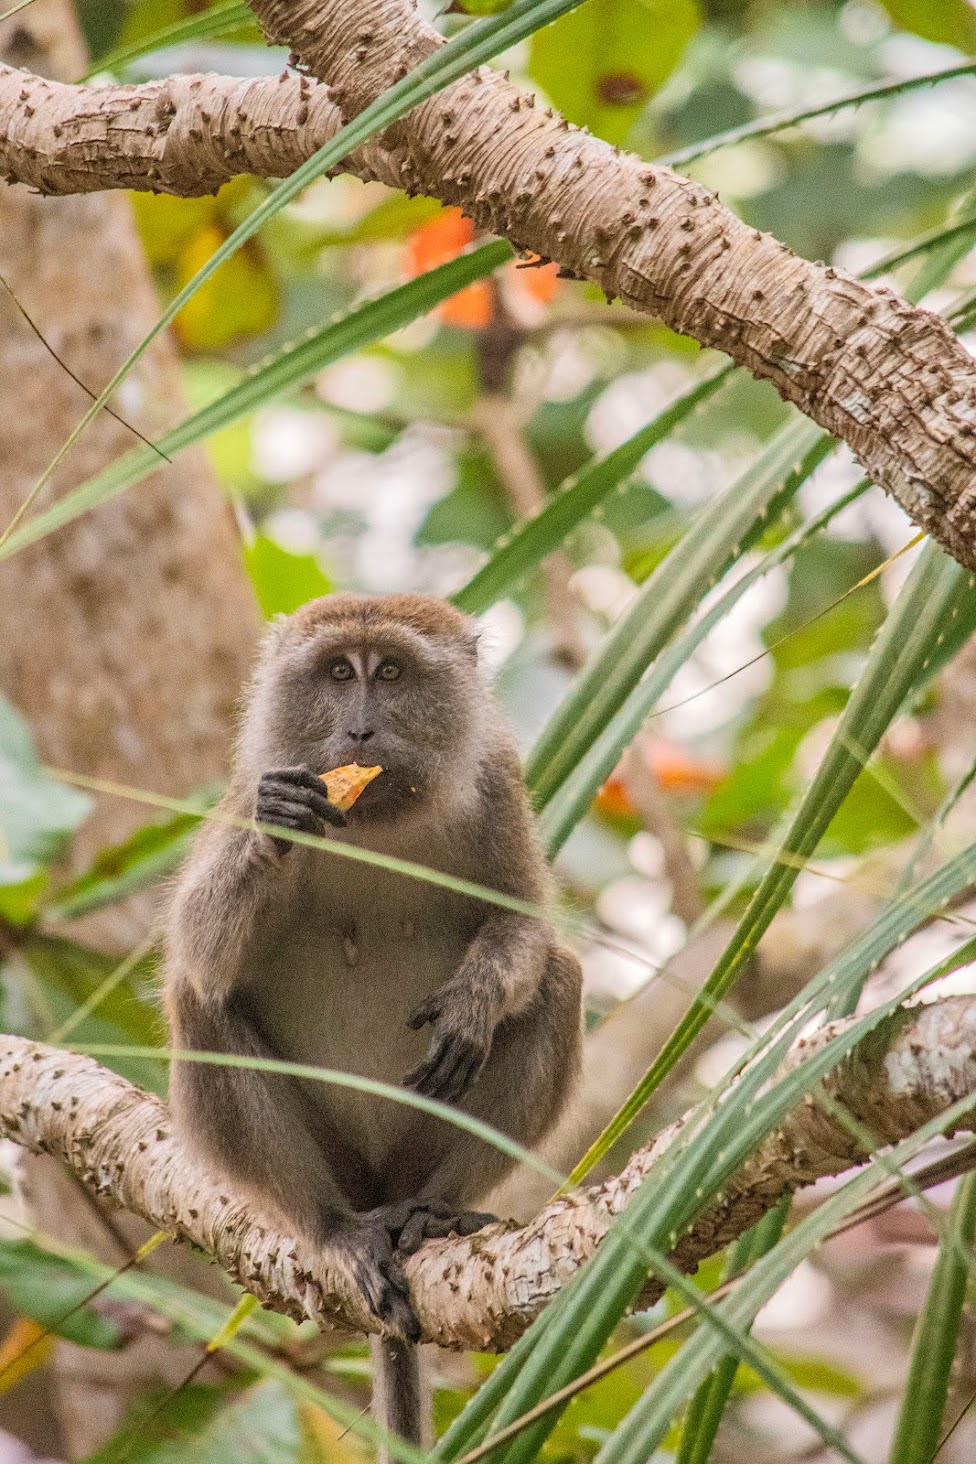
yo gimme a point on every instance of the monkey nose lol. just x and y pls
(361, 736)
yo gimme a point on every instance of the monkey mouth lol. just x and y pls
(389, 794)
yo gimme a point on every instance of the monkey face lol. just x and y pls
(358, 682)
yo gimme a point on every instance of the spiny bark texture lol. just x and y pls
(481, 1292)
(889, 379)
(184, 135)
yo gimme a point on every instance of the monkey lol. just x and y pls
(277, 949)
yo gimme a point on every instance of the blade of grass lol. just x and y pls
(575, 794)
(688, 1174)
(716, 537)
(213, 22)
(524, 546)
(708, 1405)
(936, 1335)
(478, 43)
(295, 363)
(937, 590)
(791, 117)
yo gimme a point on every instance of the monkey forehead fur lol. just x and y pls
(431, 728)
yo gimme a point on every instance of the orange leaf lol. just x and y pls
(679, 771)
(541, 282)
(613, 799)
(26, 1346)
(345, 784)
(440, 239)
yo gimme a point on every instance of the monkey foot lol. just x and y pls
(375, 1243)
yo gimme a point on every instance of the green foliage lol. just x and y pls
(692, 496)
(282, 581)
(601, 64)
(40, 1285)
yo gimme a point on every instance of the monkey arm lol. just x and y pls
(223, 896)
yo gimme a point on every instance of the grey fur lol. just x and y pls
(278, 950)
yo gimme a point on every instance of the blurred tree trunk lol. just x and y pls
(126, 634)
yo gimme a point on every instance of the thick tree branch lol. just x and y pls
(889, 379)
(482, 1292)
(184, 135)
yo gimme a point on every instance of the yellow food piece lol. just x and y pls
(345, 784)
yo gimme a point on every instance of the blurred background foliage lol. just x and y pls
(401, 465)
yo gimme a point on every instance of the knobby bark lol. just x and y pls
(481, 1292)
(127, 634)
(889, 379)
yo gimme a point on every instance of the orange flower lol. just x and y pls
(443, 238)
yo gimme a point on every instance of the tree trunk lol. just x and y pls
(127, 634)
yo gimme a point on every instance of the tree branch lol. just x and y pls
(889, 379)
(482, 1292)
(185, 135)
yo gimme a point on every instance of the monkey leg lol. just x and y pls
(522, 1090)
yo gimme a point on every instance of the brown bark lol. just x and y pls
(483, 1292)
(127, 633)
(889, 379)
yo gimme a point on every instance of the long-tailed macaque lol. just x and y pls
(281, 950)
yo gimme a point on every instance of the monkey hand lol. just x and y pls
(374, 1244)
(462, 1041)
(294, 798)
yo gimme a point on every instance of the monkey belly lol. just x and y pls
(338, 994)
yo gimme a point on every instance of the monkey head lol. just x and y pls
(369, 679)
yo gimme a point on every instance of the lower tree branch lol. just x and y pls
(480, 1292)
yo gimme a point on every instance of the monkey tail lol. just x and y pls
(399, 1398)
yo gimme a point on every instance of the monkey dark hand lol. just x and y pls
(294, 798)
(462, 1040)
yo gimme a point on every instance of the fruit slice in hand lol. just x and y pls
(345, 784)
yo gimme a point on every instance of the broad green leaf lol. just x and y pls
(715, 538)
(218, 20)
(292, 365)
(519, 551)
(937, 1336)
(602, 64)
(41, 1286)
(122, 869)
(36, 813)
(953, 22)
(282, 580)
(69, 974)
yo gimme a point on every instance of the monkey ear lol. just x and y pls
(470, 643)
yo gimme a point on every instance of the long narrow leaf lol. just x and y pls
(216, 21)
(521, 550)
(934, 1346)
(575, 794)
(479, 43)
(670, 594)
(293, 364)
(779, 121)
(938, 591)
(705, 1413)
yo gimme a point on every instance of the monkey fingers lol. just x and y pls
(292, 798)
(378, 1272)
(449, 1068)
(438, 1219)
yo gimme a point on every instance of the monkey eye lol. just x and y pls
(341, 670)
(387, 671)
